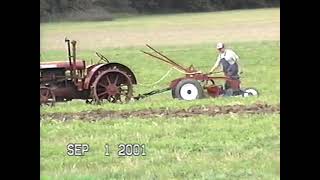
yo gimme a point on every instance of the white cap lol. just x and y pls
(220, 45)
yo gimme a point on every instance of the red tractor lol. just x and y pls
(73, 79)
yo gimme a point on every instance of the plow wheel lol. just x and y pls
(47, 97)
(112, 85)
(188, 89)
(250, 92)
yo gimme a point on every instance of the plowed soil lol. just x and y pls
(164, 112)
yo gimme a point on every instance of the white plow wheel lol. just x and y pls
(189, 92)
(188, 89)
(250, 92)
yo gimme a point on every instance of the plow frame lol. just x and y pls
(207, 81)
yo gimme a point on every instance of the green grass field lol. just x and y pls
(225, 147)
(222, 147)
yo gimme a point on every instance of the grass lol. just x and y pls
(158, 21)
(173, 29)
(221, 147)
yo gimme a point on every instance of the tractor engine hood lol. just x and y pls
(80, 65)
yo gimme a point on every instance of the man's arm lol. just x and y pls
(239, 67)
(216, 65)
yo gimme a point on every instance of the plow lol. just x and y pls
(112, 82)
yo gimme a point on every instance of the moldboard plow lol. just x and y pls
(197, 85)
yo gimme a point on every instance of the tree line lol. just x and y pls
(51, 10)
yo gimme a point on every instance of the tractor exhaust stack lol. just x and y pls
(74, 58)
(69, 56)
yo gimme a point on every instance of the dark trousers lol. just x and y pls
(231, 71)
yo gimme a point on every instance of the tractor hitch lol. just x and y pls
(158, 91)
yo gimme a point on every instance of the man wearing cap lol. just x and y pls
(229, 61)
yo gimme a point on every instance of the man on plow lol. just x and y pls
(229, 61)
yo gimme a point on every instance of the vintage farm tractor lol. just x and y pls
(197, 85)
(66, 80)
(113, 82)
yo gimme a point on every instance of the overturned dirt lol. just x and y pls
(165, 112)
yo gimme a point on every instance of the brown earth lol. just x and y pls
(167, 113)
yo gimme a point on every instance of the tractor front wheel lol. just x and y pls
(47, 97)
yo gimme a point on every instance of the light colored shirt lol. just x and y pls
(230, 56)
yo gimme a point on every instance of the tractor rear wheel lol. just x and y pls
(112, 85)
(188, 89)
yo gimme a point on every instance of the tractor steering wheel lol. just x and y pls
(102, 58)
